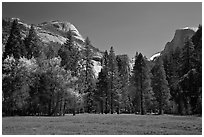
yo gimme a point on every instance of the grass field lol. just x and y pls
(97, 124)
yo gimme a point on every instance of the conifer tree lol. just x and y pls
(186, 65)
(142, 82)
(172, 68)
(70, 55)
(160, 85)
(197, 41)
(32, 44)
(105, 63)
(124, 77)
(14, 45)
(187, 57)
(102, 88)
(113, 80)
(89, 77)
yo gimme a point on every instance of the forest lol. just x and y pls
(37, 81)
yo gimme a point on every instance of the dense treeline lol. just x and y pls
(38, 80)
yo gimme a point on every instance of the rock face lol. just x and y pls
(179, 39)
(53, 32)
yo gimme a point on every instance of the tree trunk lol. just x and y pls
(181, 108)
(64, 109)
(74, 108)
(49, 107)
(161, 110)
(60, 109)
(106, 104)
(111, 102)
(101, 107)
(141, 94)
(142, 103)
(118, 110)
(74, 113)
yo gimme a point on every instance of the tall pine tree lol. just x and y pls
(89, 77)
(186, 65)
(105, 63)
(171, 65)
(142, 82)
(187, 57)
(70, 55)
(124, 80)
(113, 80)
(102, 88)
(14, 45)
(160, 86)
(197, 41)
(32, 44)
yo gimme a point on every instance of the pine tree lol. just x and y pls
(187, 57)
(14, 45)
(124, 80)
(172, 68)
(142, 83)
(102, 88)
(32, 44)
(70, 55)
(186, 65)
(89, 77)
(160, 85)
(105, 63)
(113, 80)
(197, 41)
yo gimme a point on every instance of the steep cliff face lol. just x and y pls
(55, 31)
(179, 39)
(51, 33)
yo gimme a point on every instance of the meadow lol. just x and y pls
(98, 124)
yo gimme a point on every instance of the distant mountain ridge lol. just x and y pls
(52, 31)
(55, 32)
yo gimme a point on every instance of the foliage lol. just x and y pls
(14, 45)
(30, 88)
(124, 81)
(184, 74)
(142, 82)
(88, 77)
(160, 86)
(70, 55)
(32, 44)
(54, 79)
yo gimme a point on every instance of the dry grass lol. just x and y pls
(97, 124)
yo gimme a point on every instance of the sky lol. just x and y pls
(128, 27)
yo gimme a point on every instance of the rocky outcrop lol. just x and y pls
(179, 39)
(53, 32)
